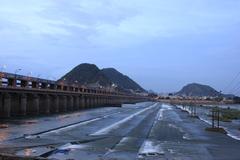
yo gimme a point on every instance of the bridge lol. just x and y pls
(24, 95)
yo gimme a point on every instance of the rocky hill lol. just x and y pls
(121, 80)
(90, 74)
(198, 90)
(86, 74)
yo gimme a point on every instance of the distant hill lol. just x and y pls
(90, 74)
(198, 90)
(86, 74)
(121, 80)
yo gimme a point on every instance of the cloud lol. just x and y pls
(159, 33)
(115, 22)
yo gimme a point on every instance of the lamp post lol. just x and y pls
(38, 80)
(63, 83)
(76, 82)
(1, 74)
(29, 75)
(3, 67)
(15, 76)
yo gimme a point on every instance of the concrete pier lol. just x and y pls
(33, 104)
(55, 104)
(23, 105)
(6, 104)
(63, 104)
(83, 102)
(45, 104)
(69, 103)
(76, 103)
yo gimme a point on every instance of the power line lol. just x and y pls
(236, 87)
(237, 90)
(237, 93)
(227, 88)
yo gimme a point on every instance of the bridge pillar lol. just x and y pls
(46, 104)
(83, 102)
(102, 99)
(53, 86)
(95, 99)
(96, 102)
(6, 105)
(76, 105)
(43, 85)
(15, 104)
(23, 104)
(92, 101)
(1, 104)
(70, 103)
(99, 101)
(24, 83)
(87, 102)
(35, 85)
(107, 101)
(55, 104)
(35, 105)
(12, 82)
(63, 104)
(113, 101)
(0, 79)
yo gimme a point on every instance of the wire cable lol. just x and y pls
(227, 88)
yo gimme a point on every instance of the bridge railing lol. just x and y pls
(9, 80)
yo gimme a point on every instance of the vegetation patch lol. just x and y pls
(219, 130)
(226, 114)
(229, 115)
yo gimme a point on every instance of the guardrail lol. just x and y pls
(10, 80)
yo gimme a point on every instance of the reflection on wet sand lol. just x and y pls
(3, 135)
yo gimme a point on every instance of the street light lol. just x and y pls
(3, 67)
(1, 74)
(15, 78)
(17, 70)
(30, 74)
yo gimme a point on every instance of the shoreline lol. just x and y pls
(195, 102)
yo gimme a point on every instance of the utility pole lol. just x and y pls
(213, 125)
(216, 116)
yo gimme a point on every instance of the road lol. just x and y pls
(142, 131)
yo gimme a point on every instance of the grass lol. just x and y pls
(227, 115)
(219, 130)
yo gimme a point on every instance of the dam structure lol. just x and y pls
(23, 95)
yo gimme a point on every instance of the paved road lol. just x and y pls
(142, 131)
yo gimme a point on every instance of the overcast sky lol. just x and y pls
(162, 44)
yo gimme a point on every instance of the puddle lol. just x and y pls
(150, 149)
